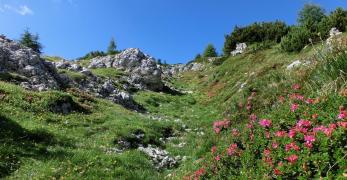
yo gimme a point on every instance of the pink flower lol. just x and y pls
(277, 172)
(235, 132)
(232, 149)
(294, 107)
(267, 152)
(275, 145)
(291, 133)
(253, 117)
(297, 97)
(309, 138)
(219, 125)
(217, 158)
(217, 130)
(199, 173)
(296, 87)
(214, 149)
(265, 123)
(281, 99)
(292, 158)
(309, 145)
(267, 134)
(342, 115)
(303, 123)
(342, 124)
(280, 133)
(309, 101)
(250, 126)
(291, 146)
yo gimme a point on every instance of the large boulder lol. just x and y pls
(142, 69)
(39, 74)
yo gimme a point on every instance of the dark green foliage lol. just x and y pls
(31, 41)
(324, 27)
(229, 45)
(254, 33)
(296, 39)
(338, 19)
(93, 54)
(310, 16)
(112, 47)
(210, 51)
(198, 56)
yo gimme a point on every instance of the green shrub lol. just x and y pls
(296, 39)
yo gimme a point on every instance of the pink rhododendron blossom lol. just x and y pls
(265, 123)
(251, 136)
(342, 124)
(217, 158)
(292, 146)
(281, 99)
(235, 132)
(303, 123)
(291, 133)
(199, 173)
(297, 97)
(253, 117)
(267, 152)
(267, 134)
(294, 107)
(232, 149)
(275, 145)
(309, 138)
(342, 115)
(250, 126)
(296, 87)
(280, 133)
(292, 158)
(214, 149)
(309, 101)
(309, 145)
(277, 172)
(219, 125)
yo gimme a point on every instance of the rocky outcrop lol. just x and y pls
(240, 48)
(100, 87)
(160, 158)
(175, 69)
(333, 34)
(143, 70)
(39, 74)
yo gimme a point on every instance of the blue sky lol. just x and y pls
(172, 30)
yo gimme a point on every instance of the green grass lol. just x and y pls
(38, 143)
(107, 73)
(42, 144)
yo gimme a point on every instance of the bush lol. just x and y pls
(310, 16)
(296, 39)
(338, 19)
(255, 33)
(31, 41)
(210, 51)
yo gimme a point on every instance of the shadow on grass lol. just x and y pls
(17, 142)
(171, 91)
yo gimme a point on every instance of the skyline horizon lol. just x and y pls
(152, 33)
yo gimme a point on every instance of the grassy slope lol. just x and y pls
(77, 142)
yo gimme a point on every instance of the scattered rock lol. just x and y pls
(160, 158)
(294, 64)
(240, 48)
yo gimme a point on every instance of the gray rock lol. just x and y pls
(15, 58)
(240, 48)
(160, 157)
(142, 69)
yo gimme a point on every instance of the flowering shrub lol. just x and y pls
(307, 140)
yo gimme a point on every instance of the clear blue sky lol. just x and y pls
(172, 30)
